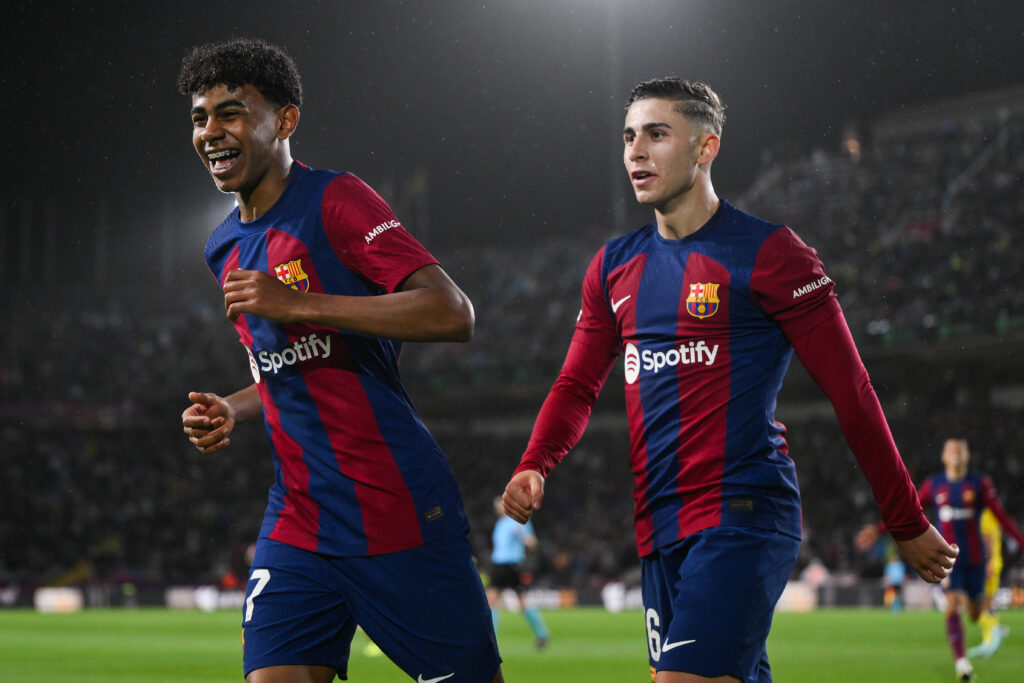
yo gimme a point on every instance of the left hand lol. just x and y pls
(259, 293)
(929, 555)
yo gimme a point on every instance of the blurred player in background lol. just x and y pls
(707, 304)
(992, 632)
(509, 542)
(365, 523)
(959, 497)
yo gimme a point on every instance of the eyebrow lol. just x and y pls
(647, 127)
(220, 106)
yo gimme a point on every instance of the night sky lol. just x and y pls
(512, 110)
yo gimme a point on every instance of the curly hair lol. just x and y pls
(240, 61)
(694, 100)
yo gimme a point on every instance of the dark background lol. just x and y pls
(510, 111)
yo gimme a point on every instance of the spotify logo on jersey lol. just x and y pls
(632, 363)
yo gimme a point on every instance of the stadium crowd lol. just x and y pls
(921, 232)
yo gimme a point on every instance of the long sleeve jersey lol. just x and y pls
(706, 326)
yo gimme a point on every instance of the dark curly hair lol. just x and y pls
(240, 61)
(694, 100)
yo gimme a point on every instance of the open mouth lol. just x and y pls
(640, 176)
(222, 159)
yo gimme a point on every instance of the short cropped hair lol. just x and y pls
(238, 62)
(694, 100)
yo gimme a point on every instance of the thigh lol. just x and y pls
(426, 609)
(294, 613)
(967, 578)
(709, 601)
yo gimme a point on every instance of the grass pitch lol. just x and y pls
(588, 645)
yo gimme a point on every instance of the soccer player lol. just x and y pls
(992, 632)
(707, 304)
(509, 543)
(365, 523)
(959, 497)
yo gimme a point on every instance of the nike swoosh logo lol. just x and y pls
(616, 304)
(421, 679)
(668, 646)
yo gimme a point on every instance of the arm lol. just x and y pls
(988, 491)
(210, 419)
(560, 424)
(564, 415)
(428, 306)
(830, 356)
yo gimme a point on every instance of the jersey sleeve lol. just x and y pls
(790, 284)
(367, 237)
(988, 491)
(830, 356)
(565, 412)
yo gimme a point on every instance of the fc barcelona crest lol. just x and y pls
(703, 299)
(292, 275)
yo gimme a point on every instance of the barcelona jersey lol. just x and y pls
(356, 471)
(704, 326)
(959, 504)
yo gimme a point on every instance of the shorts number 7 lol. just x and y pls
(262, 577)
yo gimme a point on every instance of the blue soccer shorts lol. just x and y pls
(967, 577)
(708, 601)
(424, 607)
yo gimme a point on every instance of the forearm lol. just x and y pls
(417, 315)
(830, 356)
(564, 415)
(245, 404)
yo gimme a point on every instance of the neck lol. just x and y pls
(689, 213)
(254, 203)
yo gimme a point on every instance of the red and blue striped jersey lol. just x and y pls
(356, 470)
(707, 326)
(958, 506)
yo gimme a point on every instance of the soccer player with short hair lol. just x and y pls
(365, 523)
(960, 496)
(707, 304)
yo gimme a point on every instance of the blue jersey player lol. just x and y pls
(509, 542)
(364, 524)
(706, 306)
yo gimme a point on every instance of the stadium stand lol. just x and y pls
(920, 228)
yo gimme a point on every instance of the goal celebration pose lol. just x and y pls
(365, 523)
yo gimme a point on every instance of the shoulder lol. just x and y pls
(625, 247)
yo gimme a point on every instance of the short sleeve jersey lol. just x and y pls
(508, 541)
(704, 325)
(356, 470)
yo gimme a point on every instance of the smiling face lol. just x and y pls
(661, 152)
(240, 136)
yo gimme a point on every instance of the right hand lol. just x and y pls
(208, 422)
(523, 494)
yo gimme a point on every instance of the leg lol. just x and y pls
(954, 625)
(696, 593)
(536, 622)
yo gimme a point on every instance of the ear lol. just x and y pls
(708, 150)
(287, 121)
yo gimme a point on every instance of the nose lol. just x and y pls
(635, 150)
(212, 130)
